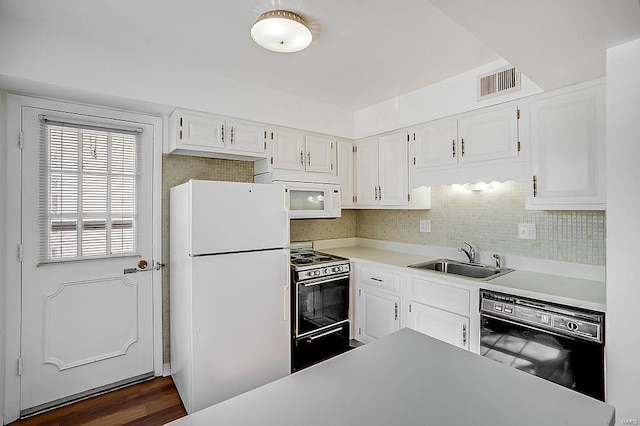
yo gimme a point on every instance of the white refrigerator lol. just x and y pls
(229, 289)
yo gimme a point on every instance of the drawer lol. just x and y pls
(449, 298)
(379, 278)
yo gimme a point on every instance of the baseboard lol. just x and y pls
(166, 370)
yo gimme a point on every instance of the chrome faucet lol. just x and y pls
(498, 259)
(471, 253)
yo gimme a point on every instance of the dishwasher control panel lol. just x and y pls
(563, 319)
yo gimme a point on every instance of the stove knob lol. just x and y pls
(327, 271)
(316, 272)
(337, 269)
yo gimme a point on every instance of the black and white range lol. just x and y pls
(320, 307)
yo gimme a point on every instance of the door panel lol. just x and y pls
(443, 325)
(85, 323)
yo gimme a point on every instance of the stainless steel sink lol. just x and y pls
(469, 270)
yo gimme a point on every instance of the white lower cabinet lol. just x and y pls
(443, 325)
(379, 314)
(377, 302)
(443, 311)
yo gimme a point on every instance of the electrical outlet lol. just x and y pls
(425, 226)
(527, 231)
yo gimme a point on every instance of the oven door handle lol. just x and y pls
(325, 280)
(312, 338)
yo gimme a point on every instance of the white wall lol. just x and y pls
(623, 236)
(3, 239)
(448, 97)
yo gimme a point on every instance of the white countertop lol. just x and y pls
(407, 378)
(588, 294)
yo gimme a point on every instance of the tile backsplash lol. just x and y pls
(489, 220)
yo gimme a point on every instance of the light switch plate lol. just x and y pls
(527, 231)
(425, 225)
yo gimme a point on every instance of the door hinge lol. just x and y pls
(271, 135)
(518, 146)
(331, 145)
(359, 330)
(518, 113)
(359, 292)
(331, 166)
(180, 134)
(265, 145)
(21, 140)
(271, 160)
(409, 308)
(409, 197)
(355, 149)
(20, 253)
(20, 366)
(414, 161)
(408, 137)
(355, 199)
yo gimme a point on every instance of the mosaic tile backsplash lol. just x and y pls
(489, 220)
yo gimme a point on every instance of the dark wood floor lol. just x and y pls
(154, 402)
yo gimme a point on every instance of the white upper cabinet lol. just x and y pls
(287, 150)
(203, 134)
(482, 145)
(298, 151)
(489, 135)
(434, 144)
(567, 161)
(382, 177)
(393, 170)
(346, 172)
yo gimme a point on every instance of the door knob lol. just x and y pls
(142, 264)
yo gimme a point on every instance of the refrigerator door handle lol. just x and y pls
(287, 287)
(287, 299)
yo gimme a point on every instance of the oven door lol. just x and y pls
(320, 304)
(573, 363)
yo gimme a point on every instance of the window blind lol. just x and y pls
(89, 176)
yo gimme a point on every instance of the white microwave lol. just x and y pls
(313, 200)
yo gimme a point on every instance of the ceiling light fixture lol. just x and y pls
(281, 31)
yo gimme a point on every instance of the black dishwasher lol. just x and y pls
(559, 343)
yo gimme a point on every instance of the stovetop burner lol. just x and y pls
(308, 263)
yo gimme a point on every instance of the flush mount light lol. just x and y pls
(281, 31)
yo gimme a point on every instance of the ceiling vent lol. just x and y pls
(498, 82)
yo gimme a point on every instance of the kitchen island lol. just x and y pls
(407, 378)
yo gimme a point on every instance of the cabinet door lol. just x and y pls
(320, 155)
(367, 172)
(442, 325)
(491, 135)
(288, 150)
(246, 137)
(434, 144)
(200, 132)
(346, 172)
(568, 150)
(393, 171)
(377, 314)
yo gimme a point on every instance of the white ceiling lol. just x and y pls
(364, 51)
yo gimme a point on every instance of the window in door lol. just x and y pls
(88, 199)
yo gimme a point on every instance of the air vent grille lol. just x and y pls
(498, 82)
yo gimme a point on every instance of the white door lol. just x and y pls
(86, 217)
(247, 137)
(288, 150)
(393, 172)
(367, 172)
(491, 135)
(320, 154)
(443, 325)
(346, 172)
(379, 314)
(435, 144)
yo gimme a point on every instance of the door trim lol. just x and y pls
(14, 233)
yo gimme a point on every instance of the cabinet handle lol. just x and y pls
(464, 335)
(376, 279)
(453, 147)
(301, 158)
(396, 311)
(535, 186)
(375, 188)
(463, 147)
(222, 132)
(308, 158)
(379, 193)
(231, 134)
